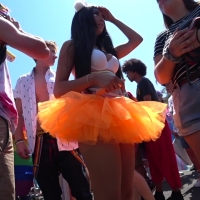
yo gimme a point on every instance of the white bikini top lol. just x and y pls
(99, 62)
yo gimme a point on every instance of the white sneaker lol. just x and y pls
(181, 173)
(197, 184)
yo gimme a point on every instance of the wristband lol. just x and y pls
(168, 56)
(19, 141)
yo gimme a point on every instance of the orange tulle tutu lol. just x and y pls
(89, 118)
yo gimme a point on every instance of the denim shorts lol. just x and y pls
(187, 108)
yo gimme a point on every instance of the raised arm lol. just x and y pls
(65, 66)
(134, 39)
(31, 45)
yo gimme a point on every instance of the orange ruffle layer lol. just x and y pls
(88, 118)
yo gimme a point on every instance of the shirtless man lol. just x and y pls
(54, 156)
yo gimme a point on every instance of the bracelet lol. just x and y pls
(197, 35)
(87, 77)
(19, 141)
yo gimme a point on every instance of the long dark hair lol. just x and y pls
(189, 4)
(83, 35)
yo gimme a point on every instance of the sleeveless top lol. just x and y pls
(7, 105)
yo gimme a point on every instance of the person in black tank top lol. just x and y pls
(171, 66)
(11, 34)
(155, 151)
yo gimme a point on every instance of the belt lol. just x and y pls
(38, 150)
(41, 133)
(193, 77)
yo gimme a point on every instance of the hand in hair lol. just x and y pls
(106, 14)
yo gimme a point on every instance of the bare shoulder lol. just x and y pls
(67, 46)
(66, 53)
(68, 43)
(66, 59)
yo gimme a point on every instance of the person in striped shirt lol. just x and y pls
(171, 65)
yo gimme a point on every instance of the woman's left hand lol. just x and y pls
(106, 14)
(196, 41)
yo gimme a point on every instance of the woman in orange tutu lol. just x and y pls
(92, 109)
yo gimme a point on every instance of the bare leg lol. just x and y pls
(128, 165)
(139, 165)
(193, 158)
(136, 194)
(193, 141)
(141, 185)
(104, 165)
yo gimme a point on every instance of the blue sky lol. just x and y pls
(51, 20)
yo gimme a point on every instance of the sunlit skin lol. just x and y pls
(98, 17)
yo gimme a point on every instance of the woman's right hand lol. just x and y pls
(106, 14)
(180, 42)
(107, 81)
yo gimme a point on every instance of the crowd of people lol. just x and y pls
(106, 143)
